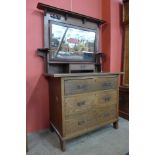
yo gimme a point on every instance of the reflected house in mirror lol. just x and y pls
(71, 41)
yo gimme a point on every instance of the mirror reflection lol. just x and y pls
(71, 43)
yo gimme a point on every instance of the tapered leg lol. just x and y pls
(62, 145)
(115, 125)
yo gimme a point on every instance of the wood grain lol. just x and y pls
(81, 104)
(76, 86)
(78, 104)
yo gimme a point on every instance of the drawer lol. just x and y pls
(105, 83)
(106, 98)
(77, 67)
(78, 103)
(78, 86)
(79, 123)
(106, 114)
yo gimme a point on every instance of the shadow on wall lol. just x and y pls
(37, 105)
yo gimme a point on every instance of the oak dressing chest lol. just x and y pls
(82, 97)
(82, 102)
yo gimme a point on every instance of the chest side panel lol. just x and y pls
(55, 103)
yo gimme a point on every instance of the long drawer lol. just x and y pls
(84, 102)
(78, 86)
(97, 117)
(79, 103)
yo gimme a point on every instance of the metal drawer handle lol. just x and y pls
(106, 114)
(107, 84)
(81, 122)
(83, 66)
(81, 103)
(109, 113)
(81, 86)
(107, 98)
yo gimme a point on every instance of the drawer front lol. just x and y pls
(106, 83)
(106, 98)
(78, 86)
(82, 67)
(79, 123)
(79, 103)
(107, 114)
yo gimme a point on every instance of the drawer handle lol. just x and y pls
(106, 114)
(107, 98)
(109, 113)
(81, 103)
(107, 84)
(83, 66)
(81, 86)
(81, 122)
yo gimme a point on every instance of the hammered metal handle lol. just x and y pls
(81, 122)
(80, 103)
(107, 98)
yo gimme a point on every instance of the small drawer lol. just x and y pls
(76, 124)
(79, 123)
(106, 83)
(106, 98)
(78, 86)
(79, 103)
(78, 67)
(106, 114)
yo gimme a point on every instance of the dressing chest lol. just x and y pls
(82, 102)
(82, 97)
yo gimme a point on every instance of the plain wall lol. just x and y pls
(36, 84)
(112, 35)
(116, 35)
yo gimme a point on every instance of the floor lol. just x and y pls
(105, 141)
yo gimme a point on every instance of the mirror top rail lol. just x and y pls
(49, 8)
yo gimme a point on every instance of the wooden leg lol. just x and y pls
(62, 145)
(115, 125)
(51, 129)
(26, 144)
(62, 142)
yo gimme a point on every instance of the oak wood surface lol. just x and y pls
(82, 104)
(46, 7)
(83, 74)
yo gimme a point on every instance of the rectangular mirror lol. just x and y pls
(71, 43)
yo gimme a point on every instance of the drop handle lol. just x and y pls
(106, 114)
(81, 122)
(81, 103)
(107, 98)
(107, 84)
(81, 86)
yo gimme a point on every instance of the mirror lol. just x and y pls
(71, 43)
